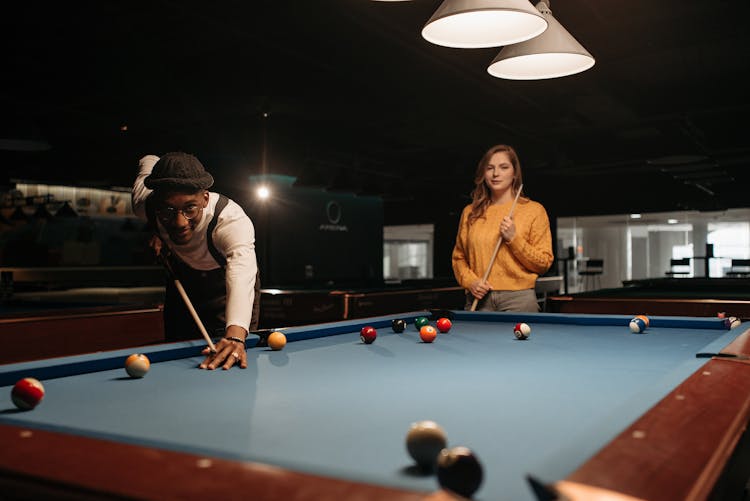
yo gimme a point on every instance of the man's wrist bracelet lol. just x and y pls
(235, 339)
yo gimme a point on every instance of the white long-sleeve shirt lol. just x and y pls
(233, 237)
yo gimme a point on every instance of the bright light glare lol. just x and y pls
(263, 192)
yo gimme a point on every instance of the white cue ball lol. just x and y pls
(424, 441)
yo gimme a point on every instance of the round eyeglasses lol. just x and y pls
(167, 214)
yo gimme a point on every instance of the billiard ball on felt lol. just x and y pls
(637, 325)
(398, 325)
(424, 441)
(137, 365)
(459, 470)
(368, 334)
(522, 330)
(444, 324)
(428, 333)
(732, 322)
(420, 322)
(27, 393)
(645, 319)
(276, 340)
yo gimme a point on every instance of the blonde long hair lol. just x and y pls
(481, 197)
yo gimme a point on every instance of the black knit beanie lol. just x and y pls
(180, 172)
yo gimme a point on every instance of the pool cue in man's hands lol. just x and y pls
(164, 261)
(497, 248)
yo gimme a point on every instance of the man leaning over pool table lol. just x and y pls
(209, 243)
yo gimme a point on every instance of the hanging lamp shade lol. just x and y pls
(473, 24)
(554, 53)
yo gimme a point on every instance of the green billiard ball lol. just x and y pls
(420, 322)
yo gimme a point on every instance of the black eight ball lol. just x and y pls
(398, 325)
(459, 470)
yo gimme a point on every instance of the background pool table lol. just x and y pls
(43, 329)
(583, 403)
(701, 297)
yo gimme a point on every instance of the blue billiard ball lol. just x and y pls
(637, 325)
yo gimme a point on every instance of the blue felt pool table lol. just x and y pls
(582, 406)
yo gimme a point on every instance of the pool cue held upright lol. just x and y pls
(187, 301)
(497, 248)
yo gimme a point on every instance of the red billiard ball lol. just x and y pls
(428, 333)
(459, 470)
(137, 365)
(368, 334)
(444, 324)
(27, 393)
(522, 330)
(424, 441)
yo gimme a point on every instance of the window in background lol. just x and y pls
(641, 247)
(730, 241)
(408, 252)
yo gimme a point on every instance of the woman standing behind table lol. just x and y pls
(526, 248)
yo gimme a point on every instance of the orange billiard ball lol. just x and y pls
(27, 393)
(428, 333)
(644, 318)
(444, 324)
(276, 341)
(137, 365)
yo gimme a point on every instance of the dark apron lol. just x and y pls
(208, 294)
(207, 291)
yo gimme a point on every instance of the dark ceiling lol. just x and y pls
(349, 90)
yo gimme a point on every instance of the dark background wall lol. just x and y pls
(312, 236)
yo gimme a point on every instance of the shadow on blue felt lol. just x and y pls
(13, 410)
(463, 338)
(379, 350)
(278, 358)
(414, 470)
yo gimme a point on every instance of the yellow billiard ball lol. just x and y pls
(276, 341)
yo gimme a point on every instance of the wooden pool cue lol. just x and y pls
(186, 299)
(497, 248)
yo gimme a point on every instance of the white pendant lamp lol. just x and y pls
(473, 24)
(554, 53)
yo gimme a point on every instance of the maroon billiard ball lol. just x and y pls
(522, 330)
(368, 334)
(27, 393)
(459, 470)
(444, 324)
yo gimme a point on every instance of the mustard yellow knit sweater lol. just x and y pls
(518, 263)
